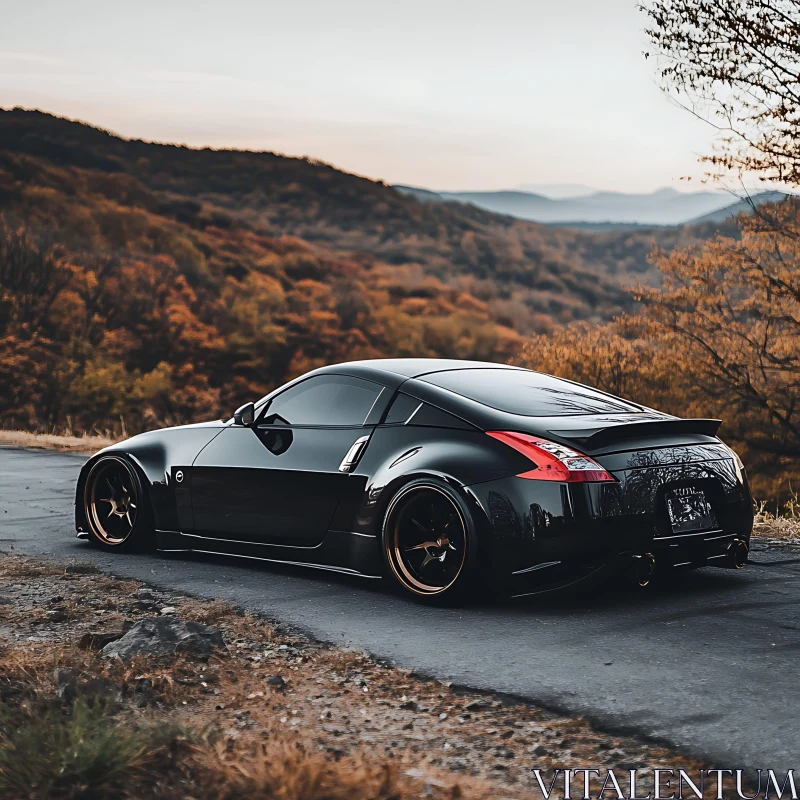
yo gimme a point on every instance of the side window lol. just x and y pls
(407, 410)
(401, 409)
(324, 400)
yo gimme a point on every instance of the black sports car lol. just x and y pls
(438, 473)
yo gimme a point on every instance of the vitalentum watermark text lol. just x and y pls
(666, 784)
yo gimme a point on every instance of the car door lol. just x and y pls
(280, 480)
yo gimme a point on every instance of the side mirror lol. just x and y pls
(245, 415)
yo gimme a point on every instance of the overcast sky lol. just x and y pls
(448, 94)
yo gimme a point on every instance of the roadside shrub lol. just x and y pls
(78, 752)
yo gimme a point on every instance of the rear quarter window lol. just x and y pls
(529, 394)
(401, 409)
(406, 410)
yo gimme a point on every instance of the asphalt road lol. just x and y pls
(709, 665)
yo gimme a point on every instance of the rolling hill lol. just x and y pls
(158, 282)
(46, 161)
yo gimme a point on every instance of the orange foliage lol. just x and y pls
(160, 284)
(720, 338)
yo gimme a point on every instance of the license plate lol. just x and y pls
(689, 510)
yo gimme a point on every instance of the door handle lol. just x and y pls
(353, 454)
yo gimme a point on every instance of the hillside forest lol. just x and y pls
(144, 285)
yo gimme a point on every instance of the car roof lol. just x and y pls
(410, 374)
(414, 367)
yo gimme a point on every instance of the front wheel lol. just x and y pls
(429, 541)
(116, 506)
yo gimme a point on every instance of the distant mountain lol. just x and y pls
(558, 191)
(423, 195)
(615, 227)
(742, 206)
(662, 207)
(523, 205)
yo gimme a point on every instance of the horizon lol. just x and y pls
(471, 100)
(550, 191)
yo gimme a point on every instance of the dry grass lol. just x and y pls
(26, 568)
(769, 526)
(783, 524)
(46, 441)
(288, 772)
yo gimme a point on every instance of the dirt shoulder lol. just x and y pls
(273, 714)
(46, 441)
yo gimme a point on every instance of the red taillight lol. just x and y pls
(554, 462)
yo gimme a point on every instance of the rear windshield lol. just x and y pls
(528, 393)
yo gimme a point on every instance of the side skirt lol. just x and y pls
(340, 551)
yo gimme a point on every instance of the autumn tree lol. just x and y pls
(730, 310)
(626, 357)
(736, 64)
(735, 305)
(720, 337)
(32, 370)
(31, 277)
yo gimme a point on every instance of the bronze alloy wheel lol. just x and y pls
(425, 539)
(112, 502)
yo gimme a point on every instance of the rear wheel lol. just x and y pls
(429, 541)
(116, 507)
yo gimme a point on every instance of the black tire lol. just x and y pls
(440, 567)
(116, 507)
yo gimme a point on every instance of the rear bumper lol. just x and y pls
(544, 530)
(715, 550)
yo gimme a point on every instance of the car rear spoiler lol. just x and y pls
(600, 437)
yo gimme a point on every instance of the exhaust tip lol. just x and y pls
(642, 569)
(738, 552)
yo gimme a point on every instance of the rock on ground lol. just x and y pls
(166, 635)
